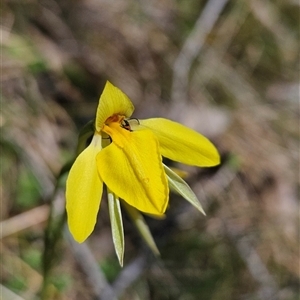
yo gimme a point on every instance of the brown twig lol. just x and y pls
(24, 220)
(89, 265)
(192, 46)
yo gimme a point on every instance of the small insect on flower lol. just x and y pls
(125, 124)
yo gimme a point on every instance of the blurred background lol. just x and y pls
(228, 69)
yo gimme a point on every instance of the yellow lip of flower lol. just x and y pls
(131, 165)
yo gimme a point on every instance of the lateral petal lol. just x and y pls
(116, 222)
(182, 144)
(112, 102)
(178, 185)
(133, 170)
(83, 192)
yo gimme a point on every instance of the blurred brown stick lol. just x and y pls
(24, 220)
(192, 46)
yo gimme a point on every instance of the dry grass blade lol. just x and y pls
(191, 48)
(23, 221)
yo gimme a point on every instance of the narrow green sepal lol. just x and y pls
(85, 133)
(116, 225)
(142, 227)
(178, 185)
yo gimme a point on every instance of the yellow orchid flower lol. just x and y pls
(126, 155)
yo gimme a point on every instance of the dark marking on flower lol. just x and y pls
(125, 124)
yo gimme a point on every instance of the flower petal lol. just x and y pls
(116, 222)
(84, 192)
(112, 102)
(133, 170)
(182, 144)
(178, 185)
